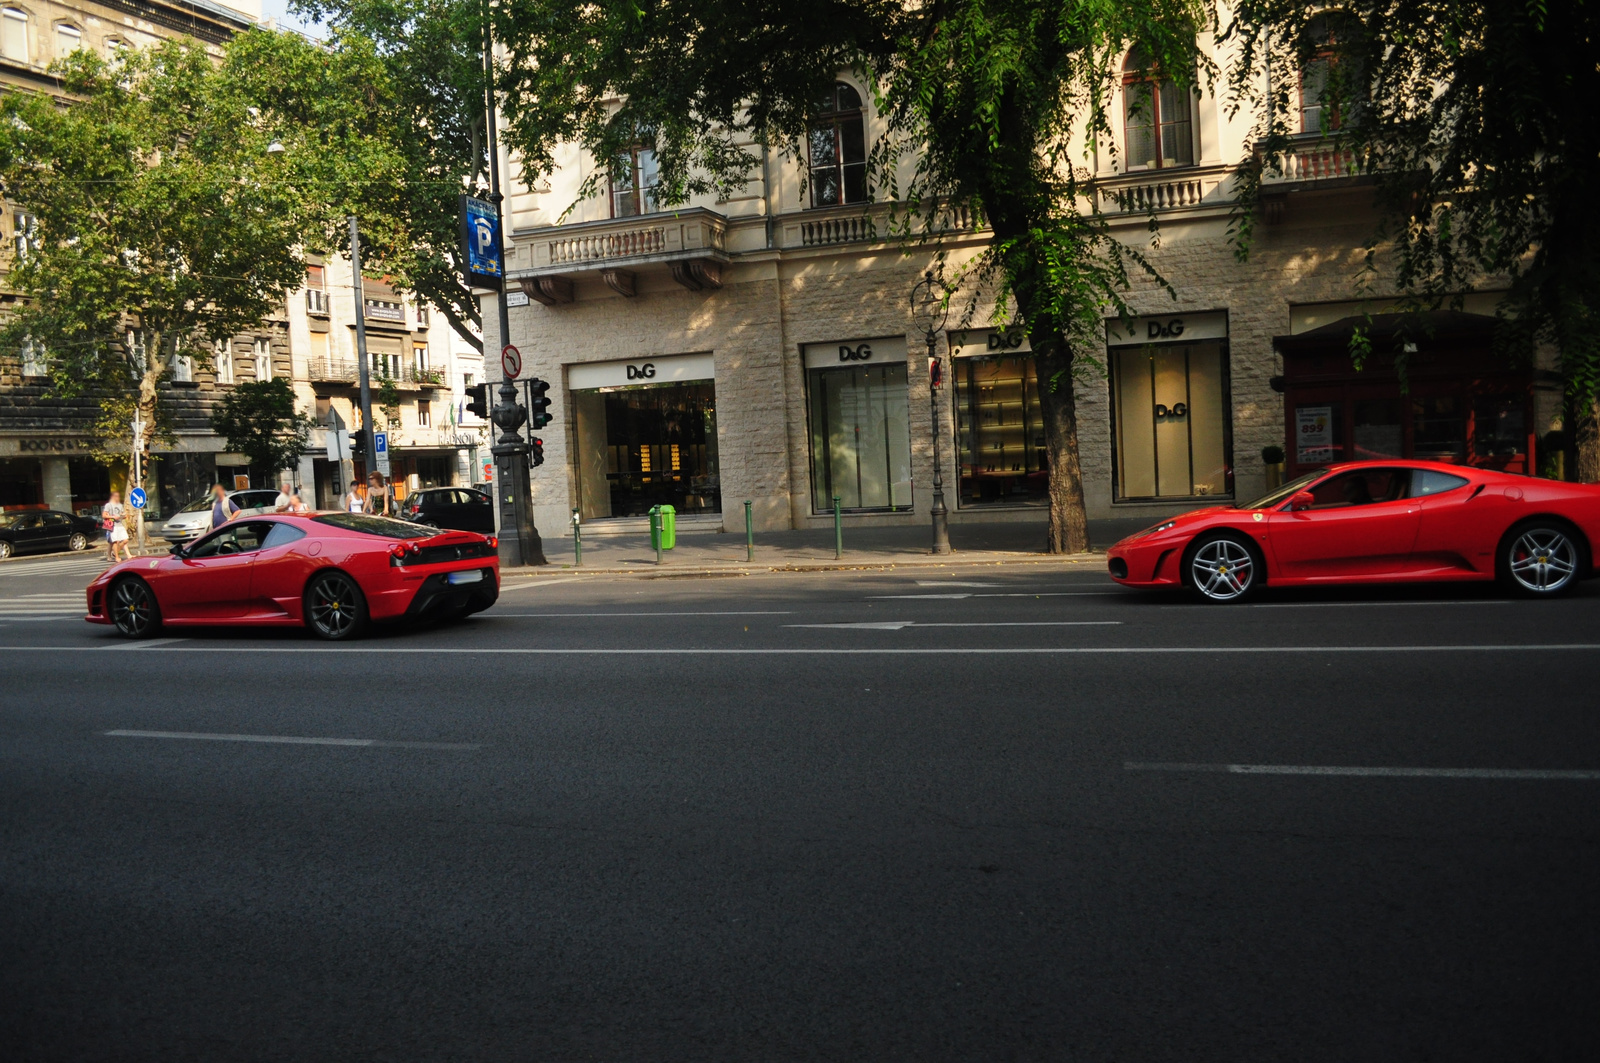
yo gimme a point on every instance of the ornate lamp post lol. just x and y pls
(930, 309)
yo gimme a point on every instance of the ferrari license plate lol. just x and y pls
(473, 576)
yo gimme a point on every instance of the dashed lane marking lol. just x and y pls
(290, 740)
(1542, 774)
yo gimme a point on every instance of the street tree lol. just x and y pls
(163, 223)
(994, 101)
(258, 419)
(1476, 123)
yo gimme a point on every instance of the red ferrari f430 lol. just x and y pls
(1376, 522)
(333, 573)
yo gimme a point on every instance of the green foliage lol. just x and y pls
(1477, 125)
(388, 397)
(258, 419)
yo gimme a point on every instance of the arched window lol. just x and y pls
(1157, 119)
(14, 34)
(1326, 73)
(69, 39)
(838, 149)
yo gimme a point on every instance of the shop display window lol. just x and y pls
(1438, 428)
(1379, 430)
(1000, 432)
(860, 437)
(644, 446)
(1173, 424)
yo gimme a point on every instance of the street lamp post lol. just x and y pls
(930, 308)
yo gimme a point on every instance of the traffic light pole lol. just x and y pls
(362, 365)
(519, 539)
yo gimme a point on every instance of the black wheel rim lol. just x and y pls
(132, 608)
(333, 606)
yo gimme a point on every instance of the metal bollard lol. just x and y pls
(838, 531)
(655, 530)
(749, 533)
(577, 541)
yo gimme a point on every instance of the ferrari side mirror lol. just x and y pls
(177, 550)
(1301, 500)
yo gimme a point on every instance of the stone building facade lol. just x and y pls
(763, 349)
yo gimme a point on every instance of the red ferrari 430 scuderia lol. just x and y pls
(1376, 522)
(332, 572)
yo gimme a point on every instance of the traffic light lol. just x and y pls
(358, 444)
(536, 452)
(538, 404)
(478, 400)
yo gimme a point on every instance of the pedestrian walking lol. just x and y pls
(112, 516)
(353, 502)
(377, 495)
(297, 505)
(285, 494)
(222, 508)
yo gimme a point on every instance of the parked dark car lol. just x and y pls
(460, 508)
(32, 531)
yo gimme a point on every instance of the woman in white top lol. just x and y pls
(353, 502)
(111, 518)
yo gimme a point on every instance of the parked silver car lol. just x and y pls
(194, 520)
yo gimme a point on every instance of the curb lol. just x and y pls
(647, 570)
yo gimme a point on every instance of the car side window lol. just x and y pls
(1425, 482)
(476, 498)
(233, 539)
(1362, 487)
(281, 535)
(56, 520)
(28, 523)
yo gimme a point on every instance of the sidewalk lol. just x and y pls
(710, 552)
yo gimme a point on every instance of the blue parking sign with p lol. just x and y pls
(380, 442)
(137, 497)
(480, 243)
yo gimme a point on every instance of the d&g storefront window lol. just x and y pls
(1000, 452)
(860, 424)
(1172, 423)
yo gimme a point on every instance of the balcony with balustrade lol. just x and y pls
(689, 244)
(1181, 190)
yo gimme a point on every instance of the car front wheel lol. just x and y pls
(133, 608)
(5, 549)
(1541, 559)
(1223, 568)
(335, 607)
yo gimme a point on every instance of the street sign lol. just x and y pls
(488, 472)
(136, 498)
(511, 362)
(380, 446)
(480, 243)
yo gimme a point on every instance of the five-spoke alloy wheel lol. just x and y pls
(335, 608)
(1541, 559)
(1223, 568)
(133, 608)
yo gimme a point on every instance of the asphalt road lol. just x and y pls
(959, 814)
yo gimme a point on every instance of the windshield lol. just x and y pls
(6, 519)
(1282, 494)
(374, 525)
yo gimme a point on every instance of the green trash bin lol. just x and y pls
(663, 528)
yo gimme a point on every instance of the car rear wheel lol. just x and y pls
(77, 541)
(1541, 559)
(1223, 568)
(133, 608)
(335, 607)
(5, 549)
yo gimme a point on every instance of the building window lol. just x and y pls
(1324, 73)
(633, 184)
(263, 358)
(25, 234)
(838, 150)
(1000, 431)
(35, 360)
(224, 362)
(419, 359)
(314, 277)
(467, 380)
(69, 39)
(424, 413)
(860, 434)
(182, 368)
(1157, 118)
(1172, 425)
(115, 48)
(422, 317)
(136, 350)
(14, 34)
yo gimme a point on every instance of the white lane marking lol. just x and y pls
(542, 583)
(1580, 775)
(290, 740)
(147, 645)
(896, 625)
(1013, 594)
(1329, 605)
(748, 612)
(951, 583)
(540, 651)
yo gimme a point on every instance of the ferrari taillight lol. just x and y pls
(494, 544)
(400, 551)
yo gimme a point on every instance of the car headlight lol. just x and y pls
(1159, 528)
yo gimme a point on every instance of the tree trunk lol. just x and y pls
(1586, 441)
(154, 366)
(1069, 521)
